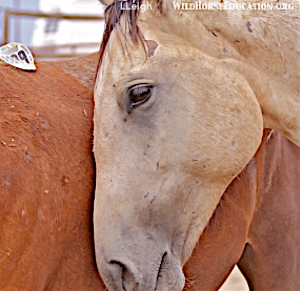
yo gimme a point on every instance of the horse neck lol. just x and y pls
(266, 51)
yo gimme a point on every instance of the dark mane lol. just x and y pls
(113, 15)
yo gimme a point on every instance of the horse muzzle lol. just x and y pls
(147, 272)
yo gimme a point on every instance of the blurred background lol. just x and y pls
(52, 29)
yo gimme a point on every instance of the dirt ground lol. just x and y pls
(235, 282)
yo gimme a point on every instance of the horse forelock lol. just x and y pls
(113, 14)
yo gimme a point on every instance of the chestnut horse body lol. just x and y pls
(47, 177)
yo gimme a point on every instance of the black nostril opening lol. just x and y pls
(117, 263)
(161, 266)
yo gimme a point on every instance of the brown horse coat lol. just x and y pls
(260, 209)
(47, 184)
(47, 177)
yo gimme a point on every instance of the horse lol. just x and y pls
(47, 184)
(47, 177)
(258, 224)
(181, 102)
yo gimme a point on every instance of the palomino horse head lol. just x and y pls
(180, 104)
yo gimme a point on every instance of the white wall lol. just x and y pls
(62, 32)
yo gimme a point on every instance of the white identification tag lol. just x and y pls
(17, 55)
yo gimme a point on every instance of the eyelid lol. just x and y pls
(139, 85)
(125, 83)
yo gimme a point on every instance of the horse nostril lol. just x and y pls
(161, 267)
(123, 269)
(128, 278)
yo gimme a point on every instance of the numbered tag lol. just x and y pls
(17, 55)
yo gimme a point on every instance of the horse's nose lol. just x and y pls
(147, 275)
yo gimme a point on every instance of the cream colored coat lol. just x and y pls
(217, 78)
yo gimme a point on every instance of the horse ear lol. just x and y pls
(106, 2)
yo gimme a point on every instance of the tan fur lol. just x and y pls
(268, 57)
(216, 84)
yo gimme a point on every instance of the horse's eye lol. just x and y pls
(139, 94)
